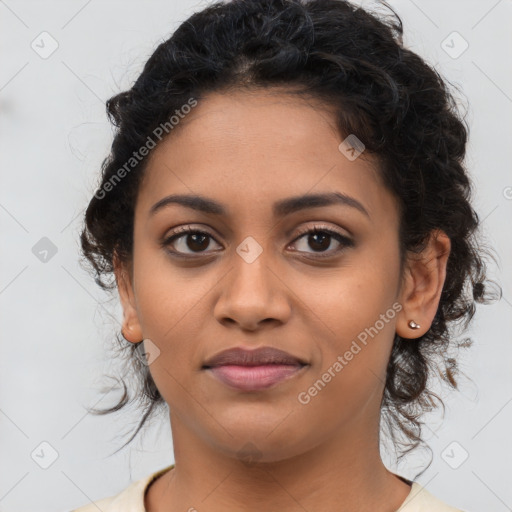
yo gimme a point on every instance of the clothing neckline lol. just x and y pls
(147, 482)
(154, 476)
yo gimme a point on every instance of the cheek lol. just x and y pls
(355, 312)
(351, 364)
(165, 298)
(353, 298)
(170, 314)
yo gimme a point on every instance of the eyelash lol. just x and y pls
(187, 230)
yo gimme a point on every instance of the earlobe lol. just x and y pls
(423, 285)
(128, 334)
(131, 329)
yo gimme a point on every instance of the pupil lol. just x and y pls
(197, 237)
(324, 237)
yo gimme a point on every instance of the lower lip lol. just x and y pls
(254, 378)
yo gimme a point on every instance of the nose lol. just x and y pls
(253, 295)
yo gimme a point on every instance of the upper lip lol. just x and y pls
(244, 357)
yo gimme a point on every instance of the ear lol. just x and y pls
(131, 328)
(423, 280)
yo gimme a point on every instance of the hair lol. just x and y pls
(392, 100)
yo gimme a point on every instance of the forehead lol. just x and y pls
(241, 119)
(246, 147)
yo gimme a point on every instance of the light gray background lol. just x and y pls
(56, 324)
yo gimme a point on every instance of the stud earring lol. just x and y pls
(413, 325)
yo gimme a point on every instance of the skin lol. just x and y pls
(247, 150)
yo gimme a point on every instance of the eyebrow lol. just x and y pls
(280, 208)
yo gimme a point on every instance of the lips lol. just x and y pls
(253, 370)
(257, 357)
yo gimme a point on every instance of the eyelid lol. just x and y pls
(183, 230)
(345, 241)
(322, 228)
(189, 228)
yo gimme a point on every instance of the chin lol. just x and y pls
(254, 443)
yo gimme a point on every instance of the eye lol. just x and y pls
(186, 238)
(320, 239)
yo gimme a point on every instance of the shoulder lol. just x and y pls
(130, 499)
(420, 500)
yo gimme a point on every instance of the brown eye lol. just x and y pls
(321, 239)
(187, 239)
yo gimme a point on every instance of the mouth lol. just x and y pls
(254, 370)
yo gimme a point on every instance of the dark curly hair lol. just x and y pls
(401, 108)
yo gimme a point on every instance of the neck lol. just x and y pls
(343, 474)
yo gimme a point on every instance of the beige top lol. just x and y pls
(131, 499)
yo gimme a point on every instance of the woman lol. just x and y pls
(285, 213)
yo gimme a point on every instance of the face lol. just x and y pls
(250, 273)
